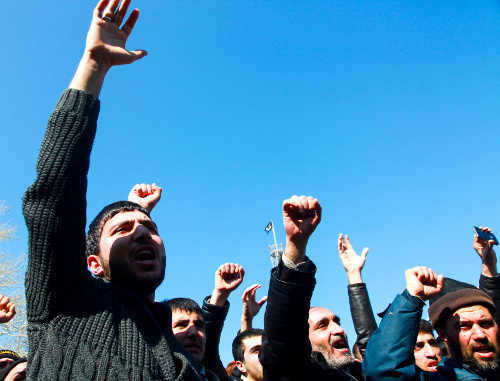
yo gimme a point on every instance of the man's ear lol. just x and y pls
(94, 265)
(241, 367)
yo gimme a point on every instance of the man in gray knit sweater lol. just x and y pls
(106, 326)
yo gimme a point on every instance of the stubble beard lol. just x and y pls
(466, 355)
(335, 361)
(119, 272)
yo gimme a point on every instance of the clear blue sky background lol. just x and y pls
(386, 111)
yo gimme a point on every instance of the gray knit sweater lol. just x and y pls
(79, 327)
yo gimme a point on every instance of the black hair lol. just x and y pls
(425, 326)
(95, 227)
(239, 347)
(184, 304)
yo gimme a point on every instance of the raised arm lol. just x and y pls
(286, 350)
(228, 277)
(359, 302)
(54, 206)
(105, 45)
(489, 280)
(251, 307)
(390, 351)
(301, 216)
(146, 195)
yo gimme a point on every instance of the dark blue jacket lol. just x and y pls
(390, 351)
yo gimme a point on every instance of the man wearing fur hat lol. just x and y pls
(463, 318)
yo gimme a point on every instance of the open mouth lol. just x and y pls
(192, 347)
(484, 351)
(145, 255)
(340, 344)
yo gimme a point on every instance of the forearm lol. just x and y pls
(491, 285)
(286, 350)
(246, 323)
(89, 76)
(362, 314)
(214, 317)
(489, 269)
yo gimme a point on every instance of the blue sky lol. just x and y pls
(386, 111)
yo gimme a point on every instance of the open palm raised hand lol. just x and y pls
(105, 40)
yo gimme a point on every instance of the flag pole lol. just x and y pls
(274, 234)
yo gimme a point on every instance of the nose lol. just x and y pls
(336, 330)
(192, 331)
(141, 232)
(430, 351)
(478, 333)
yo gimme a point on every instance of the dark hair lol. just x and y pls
(442, 345)
(425, 326)
(184, 304)
(239, 347)
(95, 227)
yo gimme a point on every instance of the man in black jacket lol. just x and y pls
(286, 349)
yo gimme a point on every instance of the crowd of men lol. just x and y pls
(105, 324)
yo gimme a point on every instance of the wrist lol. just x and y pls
(354, 277)
(295, 250)
(89, 76)
(219, 297)
(489, 269)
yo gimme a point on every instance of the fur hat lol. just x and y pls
(442, 308)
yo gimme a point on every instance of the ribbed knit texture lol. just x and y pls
(79, 327)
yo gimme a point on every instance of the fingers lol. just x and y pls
(144, 190)
(231, 270)
(99, 9)
(11, 310)
(341, 244)
(348, 243)
(4, 301)
(110, 11)
(129, 26)
(122, 11)
(249, 293)
(424, 274)
(303, 206)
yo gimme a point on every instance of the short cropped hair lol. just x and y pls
(95, 227)
(425, 326)
(239, 347)
(183, 304)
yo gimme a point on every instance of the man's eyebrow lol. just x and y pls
(321, 321)
(257, 346)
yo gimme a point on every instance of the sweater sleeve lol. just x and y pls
(54, 207)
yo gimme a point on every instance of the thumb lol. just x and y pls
(262, 301)
(364, 253)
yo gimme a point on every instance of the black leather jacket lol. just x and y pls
(362, 314)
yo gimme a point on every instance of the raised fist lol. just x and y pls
(423, 282)
(145, 195)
